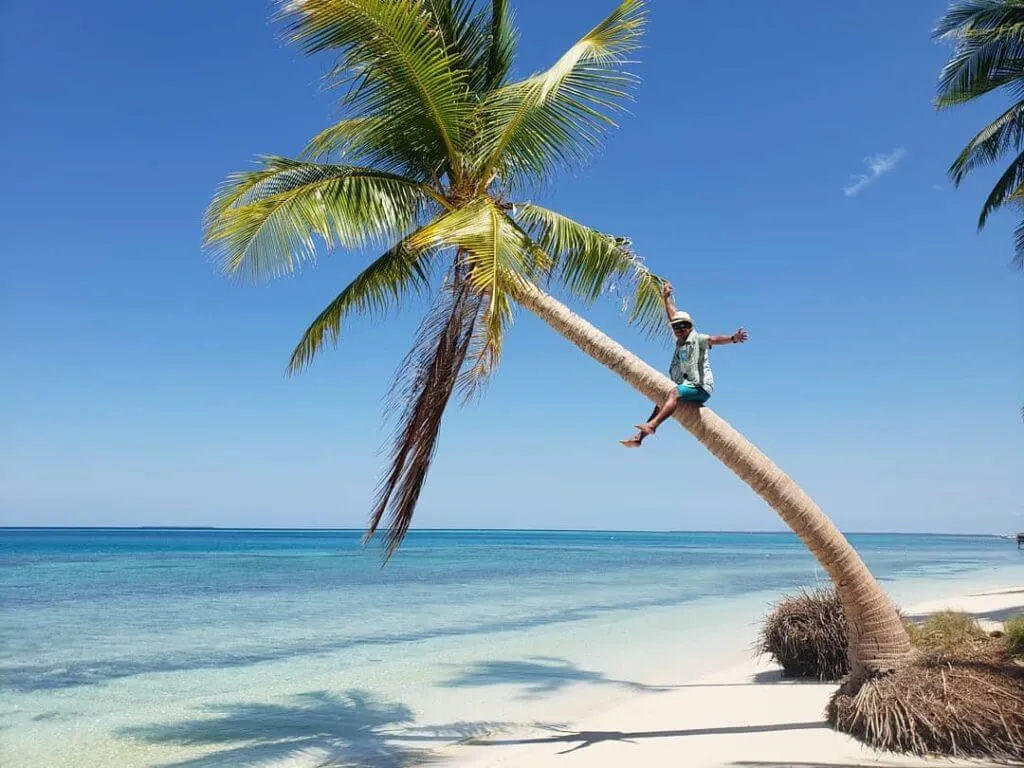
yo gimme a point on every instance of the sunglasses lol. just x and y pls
(681, 326)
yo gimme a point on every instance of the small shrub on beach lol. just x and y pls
(1013, 635)
(948, 632)
(966, 703)
(913, 631)
(806, 635)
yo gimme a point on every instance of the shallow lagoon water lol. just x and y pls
(137, 647)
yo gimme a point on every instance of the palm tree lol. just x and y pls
(437, 145)
(988, 55)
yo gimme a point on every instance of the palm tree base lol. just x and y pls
(930, 705)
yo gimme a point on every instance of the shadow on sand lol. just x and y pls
(765, 677)
(590, 738)
(540, 676)
(328, 730)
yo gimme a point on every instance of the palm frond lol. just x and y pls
(497, 262)
(982, 14)
(988, 49)
(371, 141)
(458, 27)
(482, 355)
(1018, 237)
(590, 262)
(1009, 185)
(352, 138)
(427, 378)
(376, 289)
(497, 256)
(497, 57)
(556, 119)
(396, 66)
(267, 222)
(482, 42)
(1003, 134)
(453, 20)
(484, 234)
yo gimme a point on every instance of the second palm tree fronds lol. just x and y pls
(988, 56)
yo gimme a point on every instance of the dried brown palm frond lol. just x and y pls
(968, 705)
(806, 634)
(422, 390)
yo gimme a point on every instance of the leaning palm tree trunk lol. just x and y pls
(878, 641)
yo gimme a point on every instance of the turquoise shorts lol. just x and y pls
(691, 394)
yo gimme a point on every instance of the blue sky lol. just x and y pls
(782, 165)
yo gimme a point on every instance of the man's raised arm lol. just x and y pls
(666, 298)
(737, 338)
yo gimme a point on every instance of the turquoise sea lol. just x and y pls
(137, 647)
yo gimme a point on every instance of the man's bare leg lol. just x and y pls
(658, 415)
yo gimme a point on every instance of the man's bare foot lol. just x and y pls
(645, 430)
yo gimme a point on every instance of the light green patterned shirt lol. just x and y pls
(691, 362)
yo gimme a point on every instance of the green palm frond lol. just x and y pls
(589, 262)
(267, 222)
(364, 141)
(355, 138)
(988, 54)
(394, 275)
(496, 58)
(988, 49)
(981, 14)
(454, 21)
(556, 119)
(480, 42)
(1004, 134)
(498, 261)
(1018, 241)
(1018, 235)
(497, 256)
(1010, 185)
(397, 68)
(494, 315)
(485, 235)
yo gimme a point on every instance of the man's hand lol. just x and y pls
(737, 338)
(666, 290)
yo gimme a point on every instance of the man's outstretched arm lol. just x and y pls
(737, 338)
(666, 298)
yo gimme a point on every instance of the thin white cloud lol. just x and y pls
(877, 165)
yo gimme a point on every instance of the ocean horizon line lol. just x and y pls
(311, 529)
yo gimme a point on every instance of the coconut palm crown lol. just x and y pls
(988, 55)
(435, 151)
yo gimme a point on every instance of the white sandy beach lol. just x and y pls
(746, 716)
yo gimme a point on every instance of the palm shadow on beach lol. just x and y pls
(584, 739)
(543, 675)
(540, 676)
(772, 676)
(349, 729)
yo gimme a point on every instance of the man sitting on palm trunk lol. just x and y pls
(690, 369)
